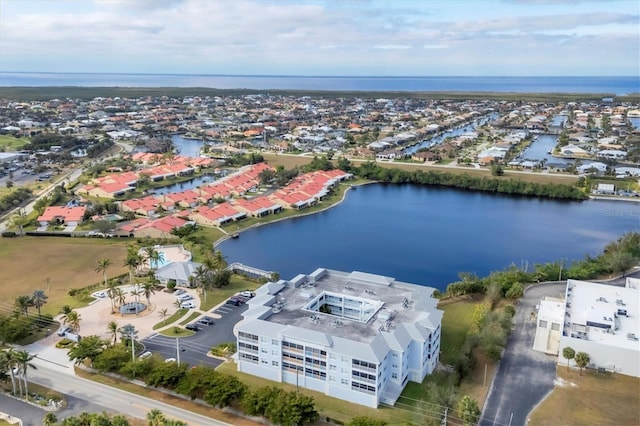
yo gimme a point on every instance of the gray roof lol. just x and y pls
(402, 312)
(177, 271)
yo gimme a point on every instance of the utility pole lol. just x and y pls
(133, 347)
(484, 382)
(178, 350)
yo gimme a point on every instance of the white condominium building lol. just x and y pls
(603, 321)
(355, 336)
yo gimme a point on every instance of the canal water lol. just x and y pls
(539, 150)
(452, 133)
(427, 235)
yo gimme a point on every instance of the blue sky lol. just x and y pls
(336, 37)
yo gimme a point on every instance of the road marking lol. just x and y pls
(152, 336)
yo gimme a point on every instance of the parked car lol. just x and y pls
(100, 294)
(64, 331)
(233, 301)
(144, 355)
(179, 291)
(192, 327)
(206, 321)
(247, 294)
(184, 297)
(188, 305)
(170, 360)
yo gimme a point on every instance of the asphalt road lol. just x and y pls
(29, 414)
(193, 349)
(84, 393)
(524, 376)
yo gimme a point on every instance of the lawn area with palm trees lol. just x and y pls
(55, 265)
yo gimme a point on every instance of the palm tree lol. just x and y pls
(8, 363)
(50, 419)
(19, 219)
(582, 359)
(22, 359)
(132, 261)
(164, 313)
(65, 311)
(147, 289)
(38, 299)
(155, 418)
(219, 261)
(112, 327)
(201, 279)
(111, 292)
(103, 265)
(120, 296)
(74, 318)
(568, 353)
(22, 303)
(177, 303)
(153, 256)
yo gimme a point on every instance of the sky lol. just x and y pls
(323, 38)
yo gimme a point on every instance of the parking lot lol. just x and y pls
(193, 349)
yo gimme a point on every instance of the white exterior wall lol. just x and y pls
(618, 360)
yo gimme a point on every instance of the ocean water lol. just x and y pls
(610, 85)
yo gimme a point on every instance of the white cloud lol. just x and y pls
(259, 37)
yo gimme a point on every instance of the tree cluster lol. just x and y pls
(373, 171)
(14, 199)
(200, 382)
(617, 257)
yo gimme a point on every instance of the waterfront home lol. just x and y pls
(145, 206)
(355, 336)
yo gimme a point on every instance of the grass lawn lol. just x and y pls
(55, 265)
(177, 332)
(219, 295)
(590, 399)
(11, 143)
(456, 323)
(171, 319)
(190, 318)
(2, 423)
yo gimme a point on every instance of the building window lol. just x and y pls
(542, 324)
(555, 326)
(394, 376)
(275, 363)
(275, 342)
(344, 381)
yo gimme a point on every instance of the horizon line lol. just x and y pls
(314, 76)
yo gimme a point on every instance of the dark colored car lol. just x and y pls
(192, 327)
(233, 301)
(206, 321)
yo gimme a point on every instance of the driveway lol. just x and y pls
(524, 376)
(194, 349)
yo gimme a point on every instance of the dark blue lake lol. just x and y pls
(427, 235)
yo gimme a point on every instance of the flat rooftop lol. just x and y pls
(600, 307)
(393, 303)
